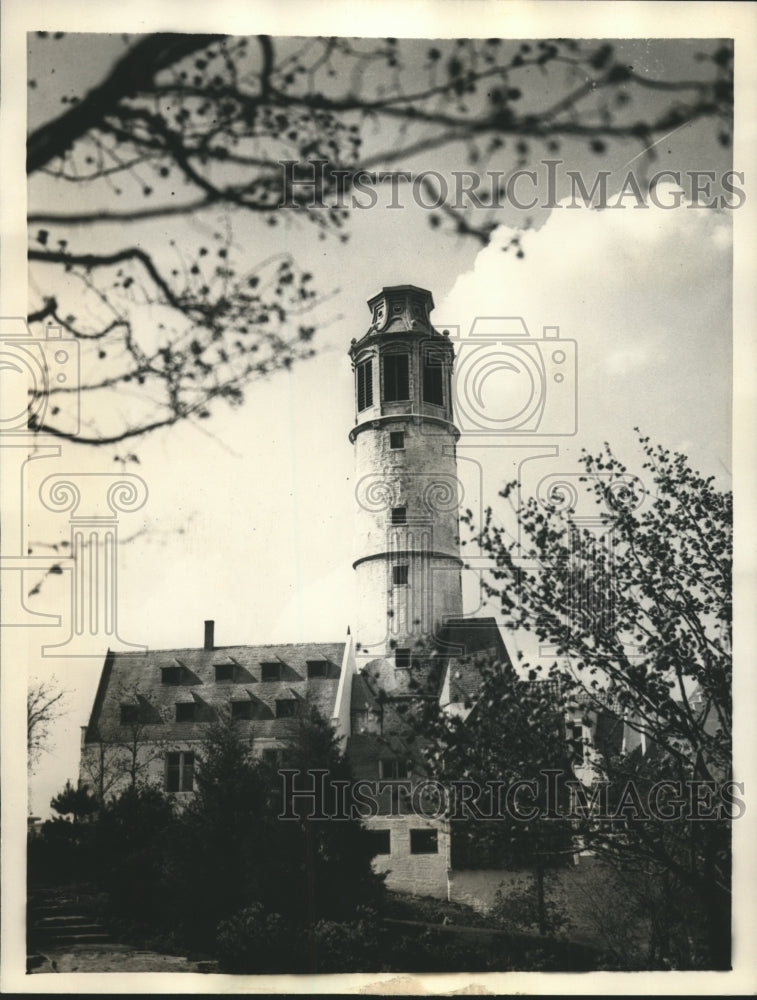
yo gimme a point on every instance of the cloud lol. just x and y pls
(646, 293)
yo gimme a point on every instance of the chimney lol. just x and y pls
(209, 626)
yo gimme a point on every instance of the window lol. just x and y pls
(396, 440)
(286, 708)
(402, 659)
(180, 771)
(396, 377)
(433, 367)
(241, 709)
(129, 714)
(424, 842)
(317, 668)
(399, 515)
(270, 671)
(364, 385)
(380, 841)
(399, 575)
(393, 768)
(576, 739)
(170, 675)
(186, 711)
(224, 671)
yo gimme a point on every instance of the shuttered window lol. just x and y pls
(364, 385)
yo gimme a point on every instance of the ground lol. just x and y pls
(114, 958)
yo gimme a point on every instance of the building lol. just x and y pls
(151, 710)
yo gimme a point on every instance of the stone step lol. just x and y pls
(55, 911)
(95, 937)
(63, 918)
(81, 925)
(57, 921)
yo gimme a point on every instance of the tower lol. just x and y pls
(407, 550)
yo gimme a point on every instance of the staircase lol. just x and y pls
(58, 920)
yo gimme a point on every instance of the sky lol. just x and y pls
(249, 515)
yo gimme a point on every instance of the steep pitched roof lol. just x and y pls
(465, 641)
(191, 678)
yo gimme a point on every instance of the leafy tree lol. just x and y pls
(197, 126)
(638, 611)
(510, 736)
(45, 702)
(295, 871)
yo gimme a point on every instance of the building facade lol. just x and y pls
(152, 710)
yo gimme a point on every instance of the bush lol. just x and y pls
(253, 941)
(350, 947)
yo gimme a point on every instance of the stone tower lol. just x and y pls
(407, 550)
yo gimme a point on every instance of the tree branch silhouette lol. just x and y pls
(186, 127)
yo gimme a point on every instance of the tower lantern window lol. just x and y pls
(396, 377)
(433, 368)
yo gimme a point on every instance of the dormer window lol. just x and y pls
(129, 714)
(364, 376)
(317, 669)
(170, 675)
(241, 709)
(270, 671)
(287, 708)
(186, 711)
(396, 377)
(224, 671)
